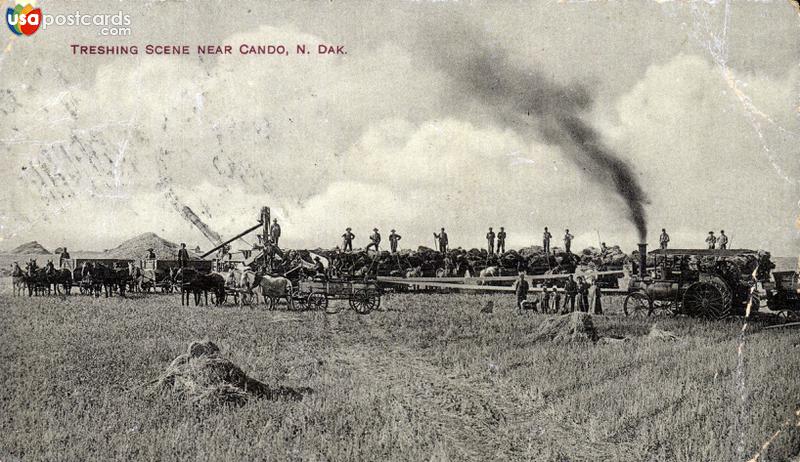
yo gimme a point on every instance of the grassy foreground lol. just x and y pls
(430, 378)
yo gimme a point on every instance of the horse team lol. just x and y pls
(96, 278)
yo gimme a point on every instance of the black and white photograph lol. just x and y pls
(400, 230)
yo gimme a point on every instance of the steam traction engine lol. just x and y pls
(707, 283)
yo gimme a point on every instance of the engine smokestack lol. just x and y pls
(642, 260)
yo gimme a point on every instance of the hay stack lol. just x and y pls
(201, 375)
(569, 328)
(661, 335)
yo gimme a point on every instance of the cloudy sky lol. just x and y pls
(457, 114)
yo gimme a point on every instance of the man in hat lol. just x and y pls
(546, 240)
(393, 238)
(375, 240)
(490, 241)
(275, 231)
(64, 256)
(319, 267)
(183, 256)
(722, 240)
(570, 292)
(501, 240)
(567, 240)
(595, 297)
(347, 240)
(443, 242)
(583, 295)
(663, 240)
(711, 240)
(521, 288)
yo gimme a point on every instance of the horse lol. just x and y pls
(268, 287)
(275, 288)
(196, 283)
(136, 278)
(35, 279)
(61, 279)
(109, 279)
(488, 272)
(17, 280)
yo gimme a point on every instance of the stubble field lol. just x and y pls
(428, 378)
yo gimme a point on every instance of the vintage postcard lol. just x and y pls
(400, 230)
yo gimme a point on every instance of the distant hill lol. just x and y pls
(31, 248)
(137, 248)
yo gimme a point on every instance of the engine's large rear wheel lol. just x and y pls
(708, 299)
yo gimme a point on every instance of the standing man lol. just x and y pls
(376, 240)
(544, 299)
(443, 242)
(711, 240)
(319, 268)
(183, 256)
(595, 305)
(501, 241)
(556, 299)
(546, 240)
(570, 291)
(583, 295)
(521, 289)
(393, 238)
(64, 256)
(722, 240)
(275, 232)
(663, 240)
(567, 240)
(490, 240)
(347, 240)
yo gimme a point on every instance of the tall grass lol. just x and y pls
(430, 378)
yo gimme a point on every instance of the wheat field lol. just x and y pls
(427, 378)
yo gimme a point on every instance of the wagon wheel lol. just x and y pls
(300, 300)
(663, 308)
(708, 299)
(364, 301)
(637, 304)
(318, 301)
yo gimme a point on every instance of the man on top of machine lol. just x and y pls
(501, 240)
(711, 240)
(663, 240)
(275, 231)
(722, 240)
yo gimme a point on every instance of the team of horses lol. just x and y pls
(100, 279)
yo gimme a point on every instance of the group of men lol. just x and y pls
(546, 237)
(374, 238)
(501, 240)
(495, 242)
(712, 241)
(586, 294)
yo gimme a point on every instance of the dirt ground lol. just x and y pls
(428, 378)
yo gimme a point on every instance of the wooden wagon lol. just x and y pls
(363, 296)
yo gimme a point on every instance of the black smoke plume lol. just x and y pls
(528, 101)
